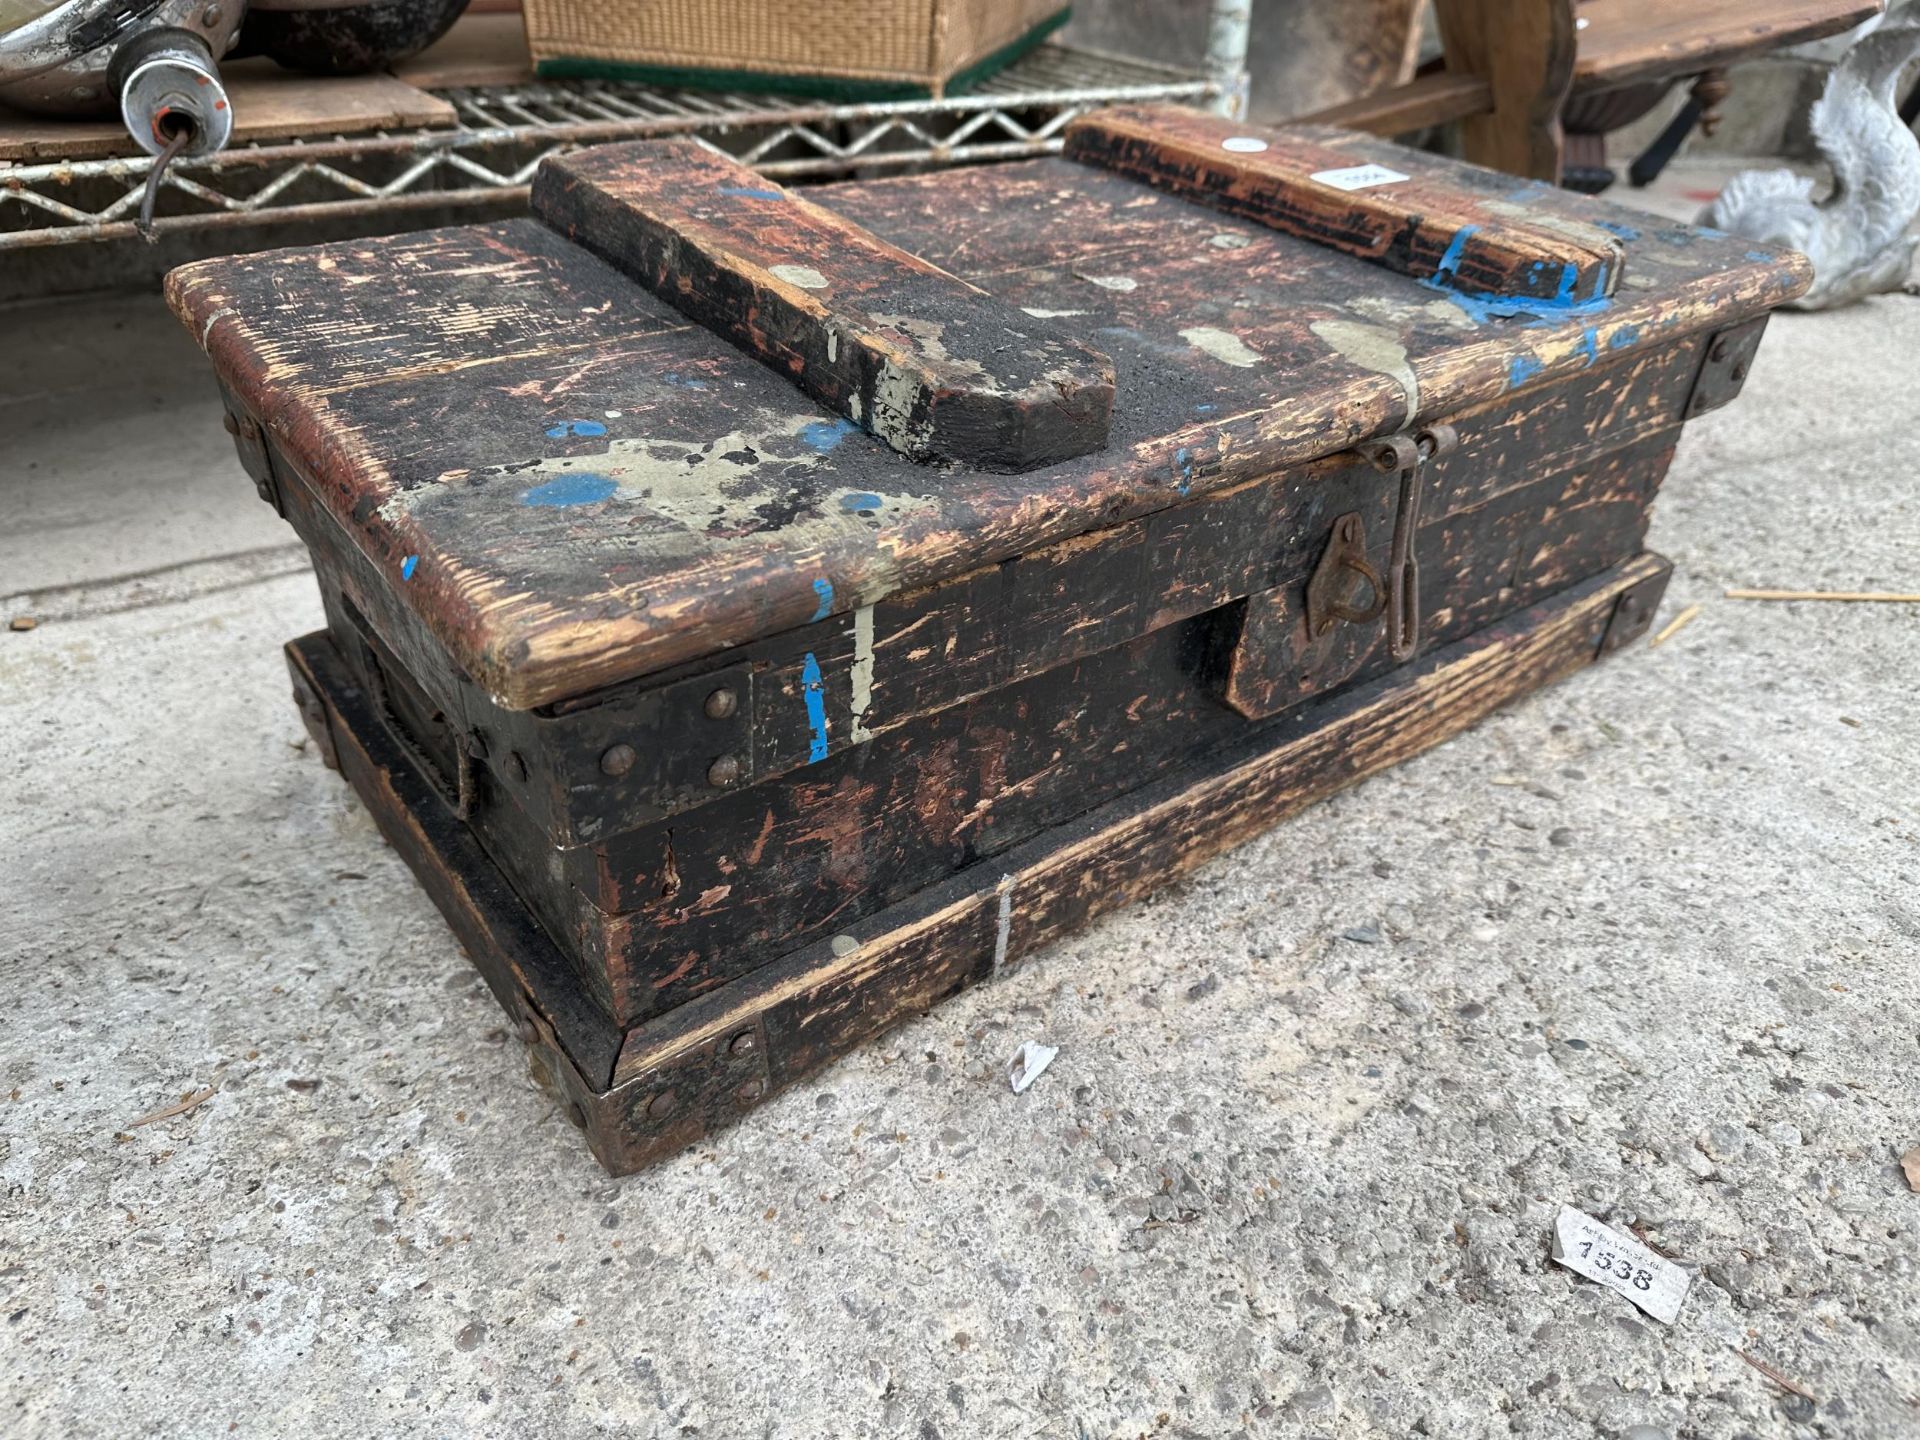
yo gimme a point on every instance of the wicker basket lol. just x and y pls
(837, 49)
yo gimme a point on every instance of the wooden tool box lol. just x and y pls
(756, 614)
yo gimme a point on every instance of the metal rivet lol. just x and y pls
(750, 1092)
(662, 1105)
(516, 765)
(723, 772)
(722, 703)
(1740, 372)
(617, 760)
(477, 745)
(743, 1043)
(1720, 351)
(210, 16)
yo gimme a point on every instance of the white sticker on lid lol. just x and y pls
(1585, 1246)
(1243, 144)
(1359, 177)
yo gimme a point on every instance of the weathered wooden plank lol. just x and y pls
(936, 368)
(1431, 99)
(657, 915)
(1630, 40)
(687, 1073)
(268, 104)
(821, 1001)
(1314, 182)
(943, 645)
(550, 561)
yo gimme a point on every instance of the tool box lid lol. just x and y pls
(684, 408)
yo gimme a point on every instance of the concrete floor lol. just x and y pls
(1645, 944)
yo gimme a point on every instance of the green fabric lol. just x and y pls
(813, 87)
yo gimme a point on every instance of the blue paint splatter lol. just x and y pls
(1183, 458)
(810, 683)
(823, 435)
(1205, 409)
(1446, 273)
(1761, 255)
(748, 192)
(583, 489)
(575, 427)
(823, 587)
(859, 501)
(1590, 344)
(1483, 307)
(1711, 233)
(1522, 369)
(408, 566)
(1626, 335)
(1614, 227)
(686, 383)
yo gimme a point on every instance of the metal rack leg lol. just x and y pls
(1227, 32)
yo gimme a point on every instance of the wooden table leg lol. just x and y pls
(1524, 50)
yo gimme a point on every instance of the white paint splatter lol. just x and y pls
(1229, 241)
(805, 276)
(860, 677)
(1122, 283)
(1005, 888)
(1222, 345)
(1244, 144)
(1372, 347)
(895, 394)
(1040, 314)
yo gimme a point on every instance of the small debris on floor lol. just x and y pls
(1910, 1166)
(1849, 597)
(1027, 1064)
(22, 622)
(1602, 1254)
(1674, 626)
(179, 1107)
(1793, 1388)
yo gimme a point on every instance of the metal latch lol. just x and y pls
(1291, 646)
(1407, 457)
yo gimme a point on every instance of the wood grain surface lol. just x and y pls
(535, 443)
(690, 1072)
(928, 364)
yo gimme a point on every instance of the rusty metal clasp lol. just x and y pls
(1407, 457)
(1332, 582)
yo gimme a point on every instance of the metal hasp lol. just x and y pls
(1407, 457)
(1342, 563)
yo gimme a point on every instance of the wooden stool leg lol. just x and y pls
(1524, 50)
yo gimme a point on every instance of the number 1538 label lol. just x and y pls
(1654, 1283)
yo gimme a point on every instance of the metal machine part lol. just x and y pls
(171, 97)
(154, 60)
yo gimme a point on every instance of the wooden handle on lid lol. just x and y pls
(936, 368)
(1361, 196)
